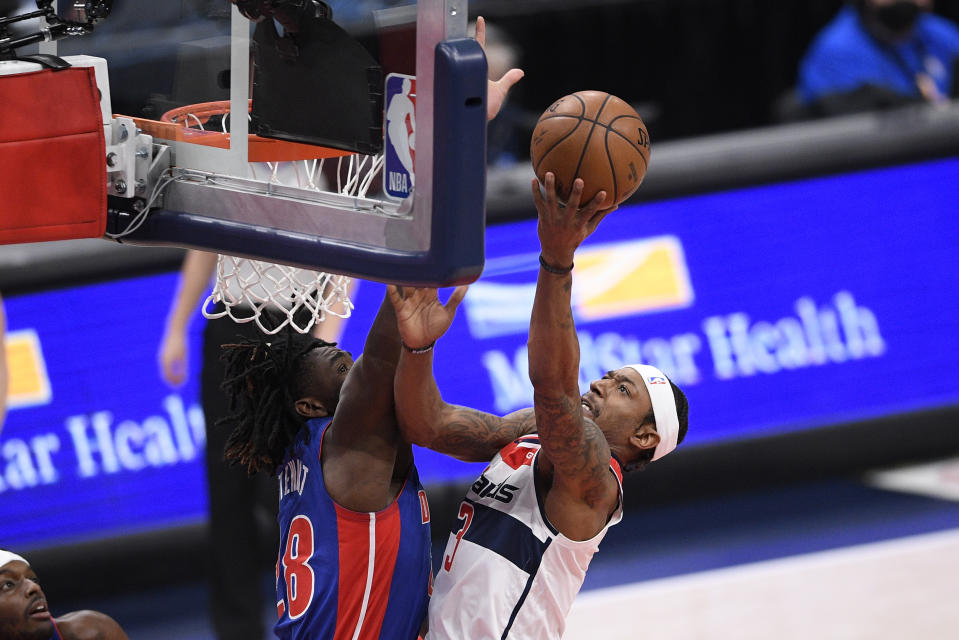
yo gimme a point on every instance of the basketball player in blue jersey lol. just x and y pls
(24, 614)
(354, 557)
(531, 522)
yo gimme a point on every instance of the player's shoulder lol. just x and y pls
(945, 31)
(837, 57)
(308, 438)
(844, 34)
(521, 422)
(89, 625)
(314, 426)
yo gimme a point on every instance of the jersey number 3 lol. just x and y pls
(297, 573)
(466, 518)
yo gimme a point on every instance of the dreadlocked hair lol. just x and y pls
(261, 384)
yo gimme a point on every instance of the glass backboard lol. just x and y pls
(340, 75)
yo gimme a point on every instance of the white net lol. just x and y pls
(353, 173)
(275, 296)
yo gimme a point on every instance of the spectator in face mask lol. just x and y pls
(880, 53)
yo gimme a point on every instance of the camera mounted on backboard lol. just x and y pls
(72, 19)
(287, 12)
(82, 13)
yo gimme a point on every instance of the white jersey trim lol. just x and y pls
(369, 577)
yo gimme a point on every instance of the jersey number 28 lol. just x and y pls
(297, 573)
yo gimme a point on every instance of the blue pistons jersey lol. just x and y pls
(343, 574)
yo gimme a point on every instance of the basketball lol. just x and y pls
(594, 136)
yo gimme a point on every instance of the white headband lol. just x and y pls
(664, 407)
(6, 558)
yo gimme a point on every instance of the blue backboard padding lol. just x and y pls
(459, 164)
(872, 252)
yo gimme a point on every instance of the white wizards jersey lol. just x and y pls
(507, 572)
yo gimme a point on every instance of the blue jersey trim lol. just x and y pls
(519, 604)
(506, 536)
(540, 502)
(408, 597)
(320, 425)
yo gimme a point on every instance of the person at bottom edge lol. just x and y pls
(25, 614)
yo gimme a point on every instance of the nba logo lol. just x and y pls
(657, 380)
(400, 124)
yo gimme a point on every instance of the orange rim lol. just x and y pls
(202, 111)
(174, 125)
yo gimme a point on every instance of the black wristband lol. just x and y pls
(418, 350)
(560, 271)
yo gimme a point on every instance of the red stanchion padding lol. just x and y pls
(53, 183)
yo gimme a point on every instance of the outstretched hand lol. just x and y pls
(420, 316)
(562, 228)
(498, 89)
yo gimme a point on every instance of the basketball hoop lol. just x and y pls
(275, 296)
(192, 124)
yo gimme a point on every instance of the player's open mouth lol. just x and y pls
(39, 611)
(587, 408)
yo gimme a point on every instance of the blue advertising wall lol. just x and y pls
(95, 444)
(776, 308)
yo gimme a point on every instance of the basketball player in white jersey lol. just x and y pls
(530, 524)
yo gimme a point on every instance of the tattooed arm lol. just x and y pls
(428, 421)
(583, 492)
(425, 419)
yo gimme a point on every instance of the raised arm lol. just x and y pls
(575, 446)
(366, 399)
(195, 277)
(360, 450)
(496, 89)
(424, 417)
